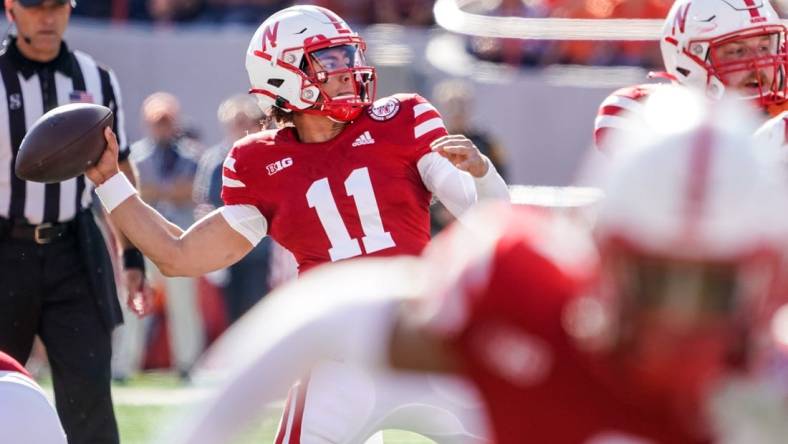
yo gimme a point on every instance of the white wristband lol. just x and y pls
(114, 191)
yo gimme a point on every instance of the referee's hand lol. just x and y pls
(107, 166)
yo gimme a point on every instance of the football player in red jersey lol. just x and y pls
(26, 415)
(636, 339)
(715, 47)
(346, 176)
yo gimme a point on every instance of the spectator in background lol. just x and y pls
(512, 51)
(587, 52)
(175, 10)
(95, 8)
(247, 279)
(353, 11)
(240, 11)
(165, 160)
(404, 12)
(454, 100)
(581, 52)
(639, 53)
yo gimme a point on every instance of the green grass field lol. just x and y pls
(148, 403)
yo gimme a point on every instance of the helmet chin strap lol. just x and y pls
(335, 110)
(336, 115)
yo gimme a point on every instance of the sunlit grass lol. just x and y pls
(139, 420)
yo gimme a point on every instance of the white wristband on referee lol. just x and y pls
(114, 191)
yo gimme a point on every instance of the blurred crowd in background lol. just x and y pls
(418, 13)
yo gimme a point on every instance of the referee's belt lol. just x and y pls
(41, 234)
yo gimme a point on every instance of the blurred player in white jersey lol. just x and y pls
(718, 47)
(26, 415)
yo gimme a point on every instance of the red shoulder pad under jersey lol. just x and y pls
(503, 261)
(411, 120)
(237, 169)
(9, 364)
(620, 111)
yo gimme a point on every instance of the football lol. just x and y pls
(63, 143)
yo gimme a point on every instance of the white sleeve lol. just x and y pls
(491, 185)
(770, 139)
(298, 326)
(454, 188)
(246, 220)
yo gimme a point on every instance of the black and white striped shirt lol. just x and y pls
(28, 90)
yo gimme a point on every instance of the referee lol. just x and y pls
(56, 278)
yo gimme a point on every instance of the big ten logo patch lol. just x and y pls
(279, 165)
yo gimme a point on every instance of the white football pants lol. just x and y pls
(345, 404)
(26, 416)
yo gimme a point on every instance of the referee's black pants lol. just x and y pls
(45, 291)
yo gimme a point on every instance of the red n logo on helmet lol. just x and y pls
(681, 18)
(269, 36)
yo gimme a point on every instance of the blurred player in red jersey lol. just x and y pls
(716, 47)
(26, 415)
(627, 342)
(346, 176)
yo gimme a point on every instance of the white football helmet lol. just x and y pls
(694, 39)
(295, 51)
(693, 219)
(698, 192)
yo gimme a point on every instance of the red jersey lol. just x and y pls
(9, 364)
(506, 310)
(358, 194)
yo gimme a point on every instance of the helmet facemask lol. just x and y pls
(306, 59)
(669, 308)
(324, 63)
(750, 62)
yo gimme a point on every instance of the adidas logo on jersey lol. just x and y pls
(364, 139)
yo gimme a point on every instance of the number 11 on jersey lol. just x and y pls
(359, 187)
